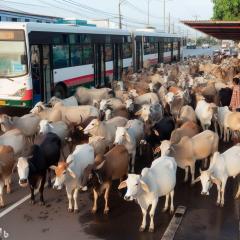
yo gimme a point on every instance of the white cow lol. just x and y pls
(70, 173)
(222, 166)
(154, 182)
(204, 112)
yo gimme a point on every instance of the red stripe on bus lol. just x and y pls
(28, 95)
(79, 80)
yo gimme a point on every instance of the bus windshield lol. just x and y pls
(13, 58)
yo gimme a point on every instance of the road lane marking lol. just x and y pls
(174, 223)
(19, 202)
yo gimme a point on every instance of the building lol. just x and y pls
(12, 15)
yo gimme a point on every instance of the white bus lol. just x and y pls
(38, 60)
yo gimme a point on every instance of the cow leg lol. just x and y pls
(95, 198)
(151, 213)
(69, 195)
(223, 192)
(133, 161)
(171, 198)
(32, 199)
(205, 163)
(7, 183)
(186, 173)
(75, 195)
(1, 194)
(166, 203)
(219, 195)
(106, 197)
(49, 178)
(143, 225)
(192, 169)
(41, 189)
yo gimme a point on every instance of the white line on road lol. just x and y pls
(174, 224)
(19, 202)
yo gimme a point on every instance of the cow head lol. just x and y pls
(145, 112)
(92, 125)
(23, 171)
(44, 127)
(61, 171)
(129, 105)
(121, 136)
(135, 185)
(38, 108)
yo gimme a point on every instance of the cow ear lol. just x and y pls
(196, 180)
(138, 113)
(68, 163)
(216, 181)
(144, 186)
(53, 167)
(73, 175)
(156, 132)
(127, 137)
(122, 185)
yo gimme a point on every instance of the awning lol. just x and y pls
(229, 30)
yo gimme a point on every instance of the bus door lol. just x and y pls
(139, 62)
(99, 65)
(117, 61)
(161, 52)
(41, 73)
(172, 52)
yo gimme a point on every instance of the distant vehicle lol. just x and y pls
(191, 46)
(226, 51)
(216, 52)
(205, 45)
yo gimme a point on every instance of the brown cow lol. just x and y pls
(7, 162)
(111, 166)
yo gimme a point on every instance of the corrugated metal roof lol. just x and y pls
(219, 29)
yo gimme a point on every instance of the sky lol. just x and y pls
(134, 11)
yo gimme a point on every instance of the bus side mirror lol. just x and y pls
(23, 59)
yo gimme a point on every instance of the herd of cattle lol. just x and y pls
(162, 115)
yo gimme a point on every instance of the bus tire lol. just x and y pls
(60, 91)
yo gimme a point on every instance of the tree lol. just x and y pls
(226, 10)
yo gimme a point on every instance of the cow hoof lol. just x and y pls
(76, 211)
(222, 205)
(32, 202)
(41, 203)
(218, 204)
(70, 210)
(172, 211)
(106, 212)
(94, 211)
(1, 206)
(49, 185)
(151, 230)
(141, 229)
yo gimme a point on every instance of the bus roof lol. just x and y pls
(155, 34)
(53, 27)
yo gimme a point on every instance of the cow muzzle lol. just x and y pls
(23, 182)
(204, 193)
(57, 187)
(128, 198)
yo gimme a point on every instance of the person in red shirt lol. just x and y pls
(235, 100)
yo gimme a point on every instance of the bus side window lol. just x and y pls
(35, 66)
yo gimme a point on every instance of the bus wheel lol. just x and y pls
(60, 92)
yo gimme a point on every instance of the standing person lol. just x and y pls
(235, 100)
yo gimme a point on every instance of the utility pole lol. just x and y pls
(196, 18)
(120, 15)
(169, 23)
(164, 13)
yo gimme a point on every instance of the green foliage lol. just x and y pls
(226, 10)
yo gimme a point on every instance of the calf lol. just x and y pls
(111, 166)
(154, 182)
(33, 167)
(7, 162)
(71, 172)
(222, 166)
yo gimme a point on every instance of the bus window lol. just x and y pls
(127, 50)
(147, 49)
(76, 55)
(87, 54)
(108, 53)
(60, 56)
(13, 58)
